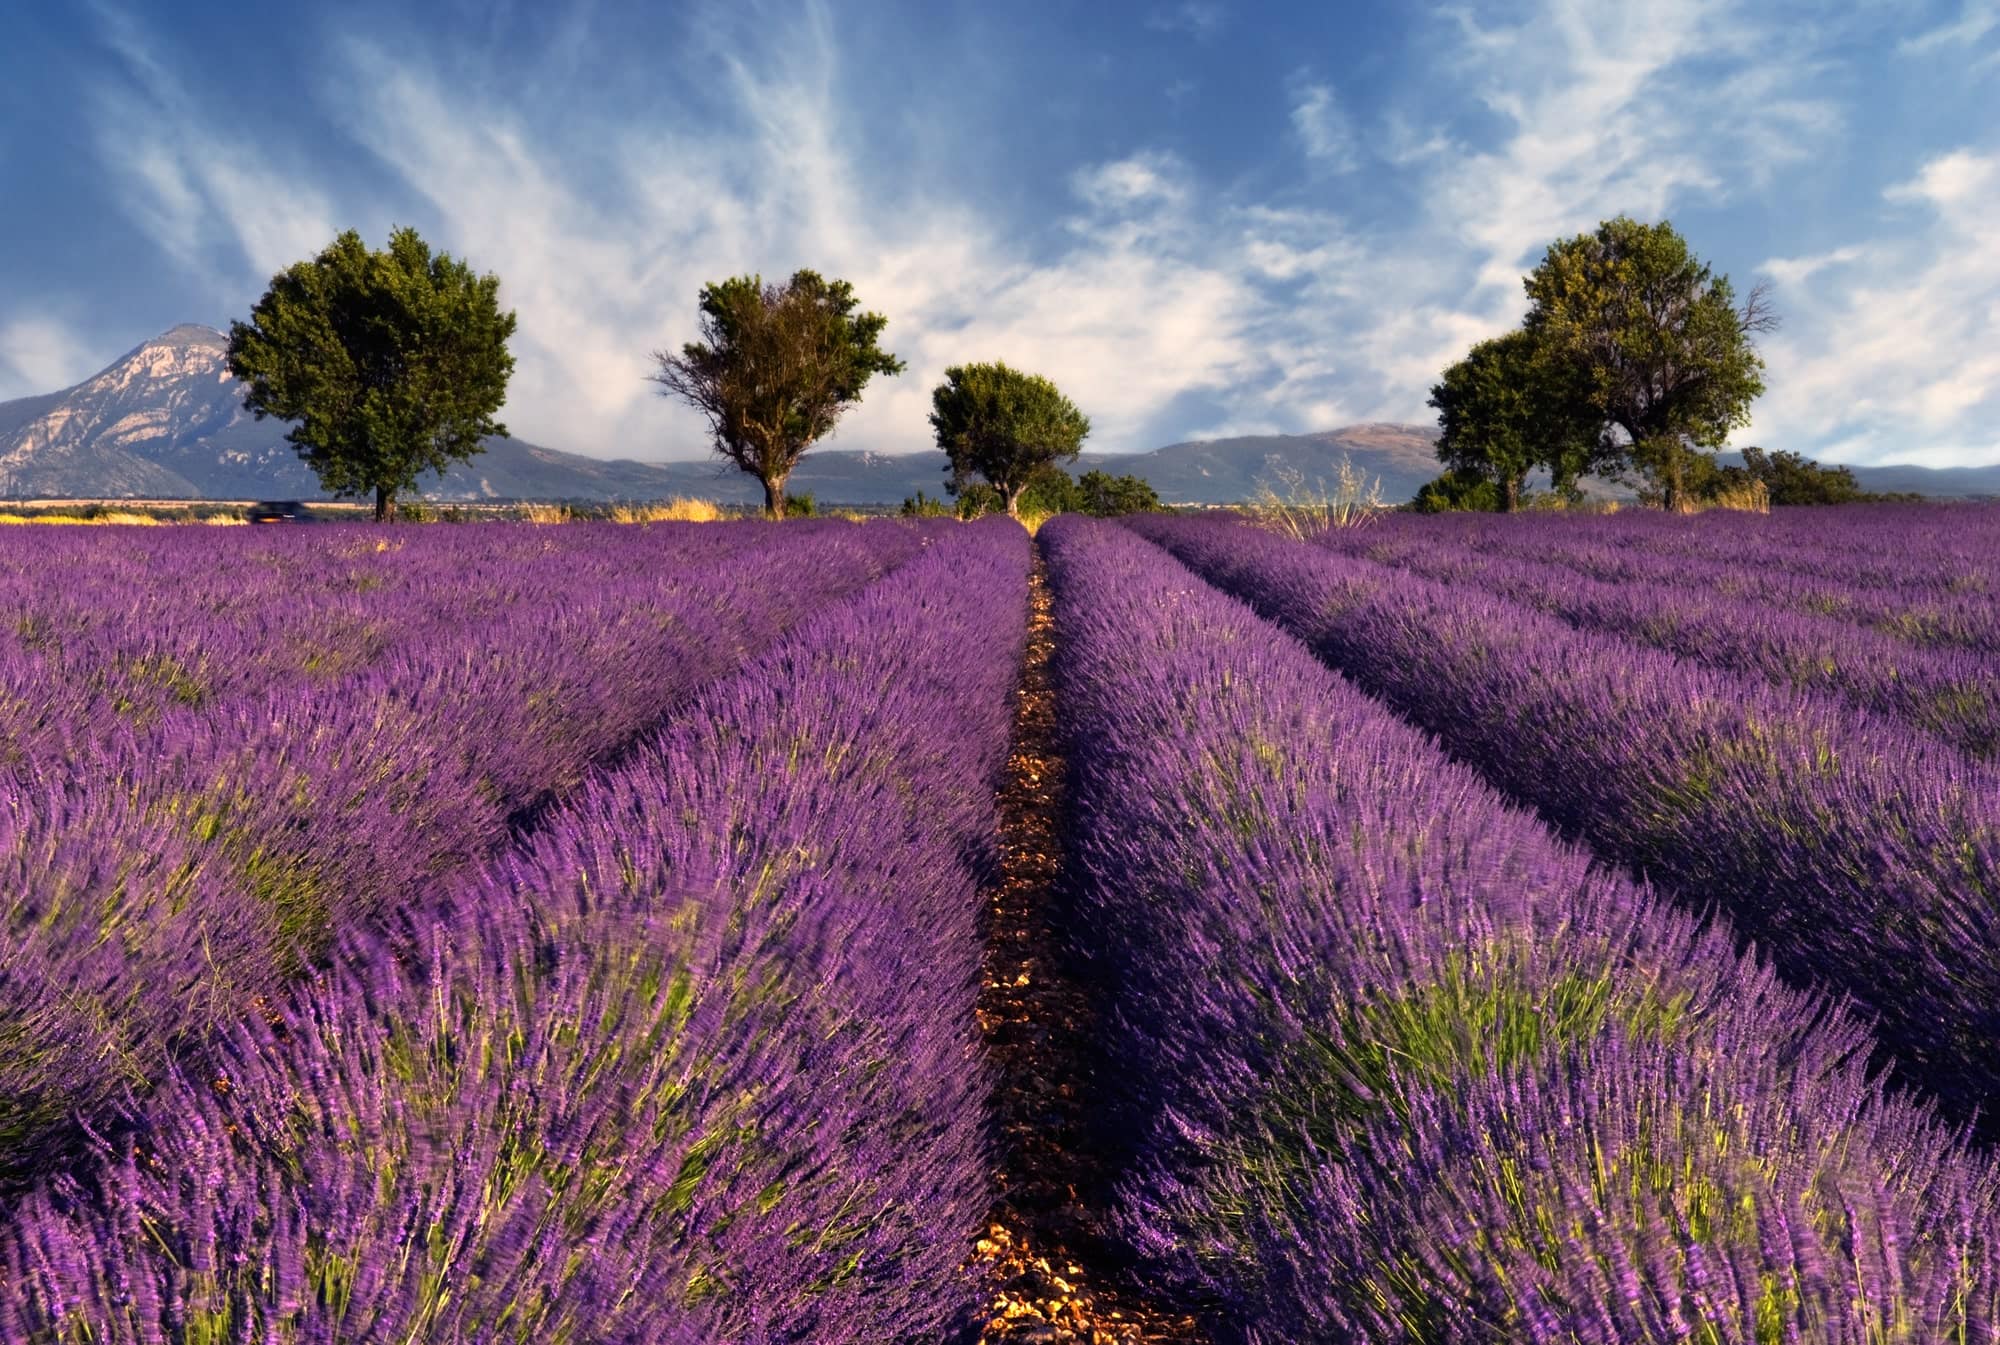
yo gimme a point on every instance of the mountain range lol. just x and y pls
(166, 421)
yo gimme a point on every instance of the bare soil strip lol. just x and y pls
(1042, 1256)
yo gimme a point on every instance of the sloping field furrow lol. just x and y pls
(1858, 854)
(694, 1062)
(1397, 1064)
(173, 874)
(1953, 693)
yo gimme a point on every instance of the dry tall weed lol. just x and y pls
(667, 511)
(1301, 510)
(1751, 497)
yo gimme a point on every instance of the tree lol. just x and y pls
(775, 369)
(1103, 495)
(1456, 491)
(1510, 406)
(1794, 479)
(1655, 337)
(1003, 425)
(393, 363)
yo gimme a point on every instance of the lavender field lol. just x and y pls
(1450, 929)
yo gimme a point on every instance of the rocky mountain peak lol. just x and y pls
(191, 335)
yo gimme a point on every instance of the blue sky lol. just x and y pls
(1199, 217)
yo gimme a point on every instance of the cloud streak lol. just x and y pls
(207, 198)
(1899, 331)
(42, 354)
(1322, 126)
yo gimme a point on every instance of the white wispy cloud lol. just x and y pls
(203, 192)
(1891, 347)
(1974, 23)
(40, 353)
(602, 273)
(1165, 286)
(1322, 126)
(1201, 18)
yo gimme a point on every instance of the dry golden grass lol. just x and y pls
(667, 511)
(1753, 497)
(546, 513)
(115, 516)
(1303, 510)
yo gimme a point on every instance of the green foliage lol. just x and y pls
(921, 505)
(1457, 491)
(1510, 406)
(1102, 495)
(800, 506)
(1004, 426)
(392, 363)
(1053, 491)
(1791, 478)
(775, 369)
(1655, 340)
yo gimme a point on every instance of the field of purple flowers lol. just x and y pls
(1538, 929)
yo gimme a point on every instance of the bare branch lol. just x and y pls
(1757, 313)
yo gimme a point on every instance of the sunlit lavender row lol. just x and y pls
(198, 802)
(1394, 1063)
(1860, 854)
(1952, 691)
(693, 1062)
(1926, 577)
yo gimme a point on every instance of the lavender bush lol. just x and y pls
(1859, 854)
(694, 1062)
(167, 871)
(1952, 692)
(1886, 584)
(1397, 1064)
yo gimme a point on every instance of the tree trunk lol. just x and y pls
(1014, 501)
(1510, 495)
(1676, 500)
(774, 496)
(385, 504)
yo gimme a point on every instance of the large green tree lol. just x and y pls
(776, 367)
(1657, 340)
(1510, 406)
(1004, 426)
(392, 363)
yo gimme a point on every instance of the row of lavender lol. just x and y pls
(1870, 568)
(1399, 1065)
(168, 865)
(1948, 690)
(694, 1062)
(1951, 547)
(1860, 854)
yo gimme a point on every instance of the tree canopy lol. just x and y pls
(1793, 479)
(1455, 491)
(393, 363)
(776, 367)
(1051, 490)
(1510, 406)
(1655, 338)
(1004, 426)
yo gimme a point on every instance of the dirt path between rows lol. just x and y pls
(1043, 1256)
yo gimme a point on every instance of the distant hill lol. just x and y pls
(166, 421)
